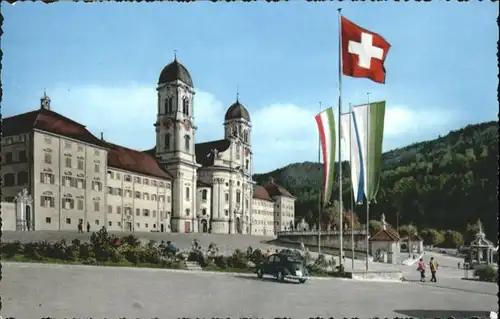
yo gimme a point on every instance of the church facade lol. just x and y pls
(76, 178)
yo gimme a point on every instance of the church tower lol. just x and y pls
(237, 129)
(175, 142)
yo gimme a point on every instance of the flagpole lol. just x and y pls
(320, 192)
(368, 177)
(352, 189)
(341, 210)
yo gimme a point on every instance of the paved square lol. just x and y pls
(34, 290)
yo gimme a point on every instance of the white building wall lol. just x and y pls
(8, 216)
(262, 218)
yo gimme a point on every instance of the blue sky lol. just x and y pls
(100, 65)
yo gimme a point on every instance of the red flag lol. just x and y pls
(363, 52)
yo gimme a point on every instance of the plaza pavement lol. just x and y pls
(38, 290)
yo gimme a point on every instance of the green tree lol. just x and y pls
(452, 239)
(374, 226)
(432, 236)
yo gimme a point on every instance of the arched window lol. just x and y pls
(235, 130)
(238, 197)
(204, 211)
(245, 137)
(167, 141)
(247, 164)
(185, 106)
(188, 212)
(187, 142)
(22, 178)
(9, 179)
(170, 105)
(204, 194)
(187, 193)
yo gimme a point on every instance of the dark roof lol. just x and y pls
(204, 154)
(201, 184)
(276, 190)
(237, 111)
(385, 235)
(134, 161)
(49, 121)
(173, 72)
(261, 193)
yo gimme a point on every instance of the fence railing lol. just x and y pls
(323, 232)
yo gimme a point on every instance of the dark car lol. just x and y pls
(282, 266)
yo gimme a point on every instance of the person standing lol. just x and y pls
(80, 227)
(433, 265)
(421, 268)
(88, 227)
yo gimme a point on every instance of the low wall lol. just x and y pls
(8, 216)
(329, 240)
(377, 275)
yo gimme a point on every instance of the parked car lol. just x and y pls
(282, 266)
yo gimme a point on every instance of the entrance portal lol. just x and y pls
(129, 226)
(204, 226)
(162, 228)
(28, 217)
(238, 225)
(187, 227)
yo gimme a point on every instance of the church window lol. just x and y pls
(169, 105)
(187, 142)
(247, 163)
(226, 212)
(238, 197)
(187, 193)
(187, 212)
(245, 137)
(235, 130)
(185, 106)
(227, 198)
(204, 195)
(167, 141)
(204, 211)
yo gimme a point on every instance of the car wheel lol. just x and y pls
(302, 281)
(280, 276)
(260, 274)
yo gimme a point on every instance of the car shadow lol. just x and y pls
(443, 313)
(267, 279)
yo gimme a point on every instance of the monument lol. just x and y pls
(24, 216)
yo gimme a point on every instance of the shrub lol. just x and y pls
(133, 256)
(90, 261)
(151, 244)
(131, 240)
(197, 256)
(9, 250)
(151, 255)
(86, 252)
(486, 273)
(180, 256)
(221, 261)
(238, 259)
(31, 251)
(257, 256)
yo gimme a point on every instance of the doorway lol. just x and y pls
(238, 225)
(162, 228)
(28, 217)
(204, 226)
(187, 227)
(129, 226)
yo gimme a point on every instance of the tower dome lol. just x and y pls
(173, 72)
(237, 111)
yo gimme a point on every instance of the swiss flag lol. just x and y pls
(363, 52)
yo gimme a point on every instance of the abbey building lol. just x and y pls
(74, 177)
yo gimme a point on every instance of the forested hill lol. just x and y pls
(445, 183)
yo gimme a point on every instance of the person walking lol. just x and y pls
(433, 265)
(80, 227)
(421, 268)
(88, 227)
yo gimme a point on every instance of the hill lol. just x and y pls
(445, 183)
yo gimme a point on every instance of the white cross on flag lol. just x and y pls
(363, 52)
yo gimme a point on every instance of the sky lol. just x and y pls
(100, 63)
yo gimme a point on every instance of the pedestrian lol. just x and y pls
(433, 265)
(88, 227)
(421, 268)
(80, 227)
(458, 265)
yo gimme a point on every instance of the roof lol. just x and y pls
(49, 121)
(261, 193)
(203, 151)
(237, 111)
(385, 235)
(134, 161)
(173, 72)
(277, 190)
